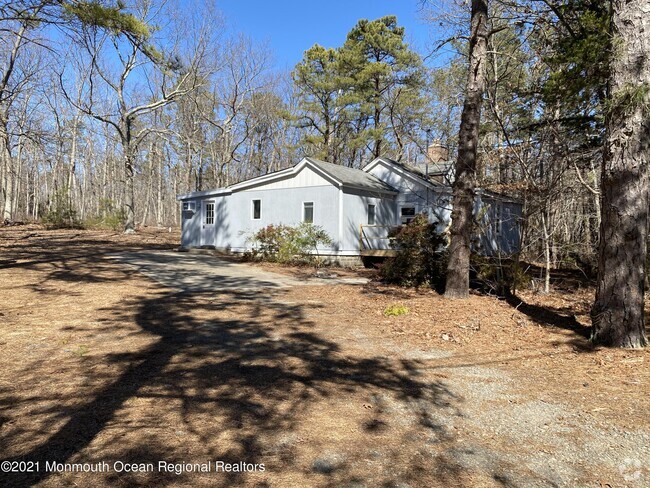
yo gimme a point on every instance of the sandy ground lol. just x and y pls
(104, 364)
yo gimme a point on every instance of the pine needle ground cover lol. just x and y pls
(315, 382)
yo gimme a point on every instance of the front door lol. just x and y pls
(207, 224)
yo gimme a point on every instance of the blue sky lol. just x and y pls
(292, 26)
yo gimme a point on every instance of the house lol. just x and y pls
(356, 207)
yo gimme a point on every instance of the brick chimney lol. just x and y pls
(437, 153)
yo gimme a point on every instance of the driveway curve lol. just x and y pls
(203, 272)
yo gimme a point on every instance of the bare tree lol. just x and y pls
(126, 84)
(243, 74)
(24, 26)
(16, 74)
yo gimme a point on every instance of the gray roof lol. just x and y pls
(351, 177)
(205, 193)
(434, 169)
(440, 168)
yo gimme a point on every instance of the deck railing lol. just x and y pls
(374, 240)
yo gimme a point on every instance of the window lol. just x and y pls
(498, 215)
(257, 209)
(371, 215)
(189, 206)
(408, 214)
(209, 213)
(308, 212)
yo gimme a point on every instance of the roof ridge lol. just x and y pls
(352, 177)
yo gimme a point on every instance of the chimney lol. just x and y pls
(437, 153)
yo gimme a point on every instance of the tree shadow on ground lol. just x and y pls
(26, 249)
(546, 317)
(220, 360)
(232, 372)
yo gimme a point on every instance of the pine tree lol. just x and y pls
(323, 108)
(381, 66)
(618, 310)
(457, 285)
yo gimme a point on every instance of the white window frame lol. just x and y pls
(189, 206)
(304, 208)
(209, 215)
(253, 209)
(373, 214)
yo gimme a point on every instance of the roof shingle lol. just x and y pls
(351, 177)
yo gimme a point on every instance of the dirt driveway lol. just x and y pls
(205, 272)
(148, 382)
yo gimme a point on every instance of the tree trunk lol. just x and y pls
(547, 250)
(149, 193)
(7, 173)
(159, 193)
(18, 177)
(176, 208)
(129, 193)
(37, 194)
(376, 152)
(617, 313)
(457, 285)
(73, 164)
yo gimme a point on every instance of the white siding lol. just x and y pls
(502, 238)
(305, 178)
(355, 214)
(279, 206)
(341, 212)
(191, 226)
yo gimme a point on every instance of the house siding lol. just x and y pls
(340, 211)
(191, 225)
(491, 239)
(281, 203)
(355, 214)
(502, 237)
(306, 177)
(279, 206)
(435, 203)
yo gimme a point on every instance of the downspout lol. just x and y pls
(340, 219)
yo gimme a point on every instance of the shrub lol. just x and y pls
(109, 216)
(396, 310)
(420, 258)
(61, 214)
(500, 276)
(289, 244)
(309, 237)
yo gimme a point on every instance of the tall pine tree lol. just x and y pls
(618, 310)
(382, 67)
(457, 285)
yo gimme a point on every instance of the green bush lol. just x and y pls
(61, 214)
(289, 244)
(420, 258)
(110, 216)
(500, 276)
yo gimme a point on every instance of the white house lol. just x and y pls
(355, 207)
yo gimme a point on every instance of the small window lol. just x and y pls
(371, 215)
(498, 216)
(308, 212)
(209, 213)
(189, 206)
(257, 209)
(408, 214)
